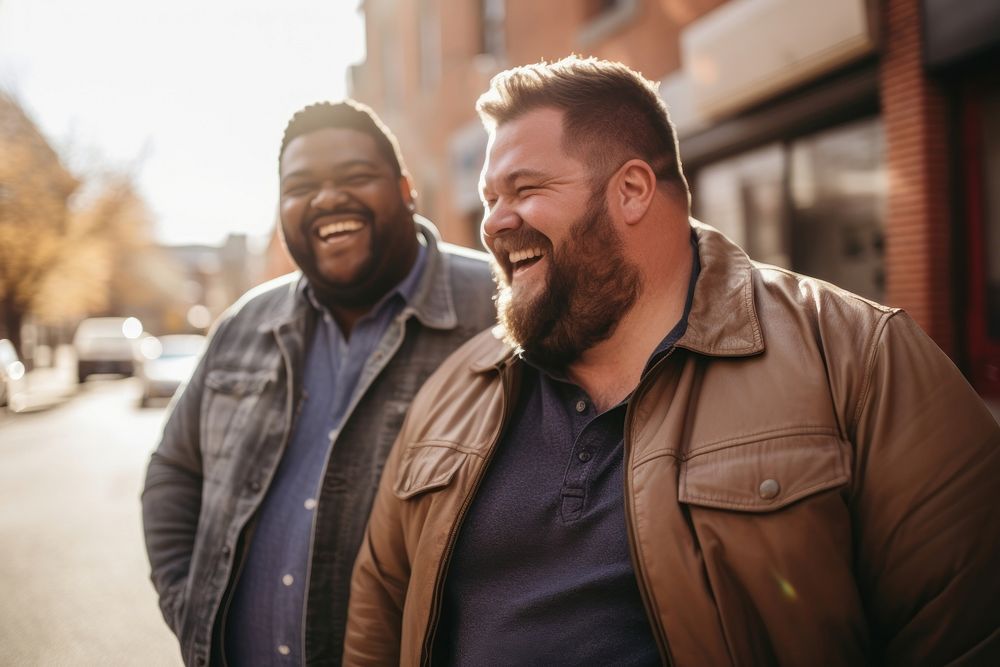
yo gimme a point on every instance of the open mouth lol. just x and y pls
(523, 259)
(332, 231)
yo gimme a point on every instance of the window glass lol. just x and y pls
(742, 197)
(838, 193)
(991, 226)
(815, 204)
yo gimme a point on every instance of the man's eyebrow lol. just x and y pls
(512, 177)
(350, 164)
(530, 174)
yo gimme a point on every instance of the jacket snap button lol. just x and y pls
(769, 488)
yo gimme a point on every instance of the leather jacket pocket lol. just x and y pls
(766, 474)
(427, 467)
(231, 400)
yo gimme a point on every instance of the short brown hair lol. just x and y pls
(612, 114)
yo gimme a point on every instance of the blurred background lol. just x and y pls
(855, 140)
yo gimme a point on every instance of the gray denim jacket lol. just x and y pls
(229, 427)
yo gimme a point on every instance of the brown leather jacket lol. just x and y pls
(809, 481)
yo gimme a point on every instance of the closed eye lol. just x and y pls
(358, 179)
(298, 189)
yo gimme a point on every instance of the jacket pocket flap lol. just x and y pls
(237, 382)
(425, 468)
(765, 475)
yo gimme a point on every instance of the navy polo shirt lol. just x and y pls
(265, 621)
(541, 572)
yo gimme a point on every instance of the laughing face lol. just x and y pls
(564, 281)
(345, 216)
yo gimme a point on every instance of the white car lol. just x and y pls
(11, 373)
(106, 345)
(166, 362)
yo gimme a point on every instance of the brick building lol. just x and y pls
(857, 140)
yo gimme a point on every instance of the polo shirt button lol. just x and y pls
(769, 489)
(584, 456)
(581, 406)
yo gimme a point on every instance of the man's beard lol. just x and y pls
(589, 286)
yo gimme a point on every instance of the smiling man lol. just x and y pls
(257, 496)
(671, 454)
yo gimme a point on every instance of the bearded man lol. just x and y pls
(257, 497)
(671, 453)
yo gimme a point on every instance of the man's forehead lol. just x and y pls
(529, 145)
(330, 146)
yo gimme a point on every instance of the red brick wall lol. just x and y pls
(918, 233)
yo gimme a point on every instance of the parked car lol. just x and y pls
(106, 345)
(166, 362)
(11, 373)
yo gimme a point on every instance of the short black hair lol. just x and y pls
(348, 114)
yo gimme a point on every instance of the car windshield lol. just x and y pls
(181, 346)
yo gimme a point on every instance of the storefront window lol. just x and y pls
(814, 204)
(991, 226)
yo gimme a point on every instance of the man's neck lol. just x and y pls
(610, 370)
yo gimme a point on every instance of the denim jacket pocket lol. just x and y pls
(230, 403)
(764, 475)
(427, 467)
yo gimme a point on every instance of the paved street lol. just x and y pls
(73, 571)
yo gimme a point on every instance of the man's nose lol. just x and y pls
(499, 220)
(327, 197)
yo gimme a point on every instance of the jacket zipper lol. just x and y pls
(637, 567)
(442, 573)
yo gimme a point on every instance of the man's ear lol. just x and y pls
(407, 192)
(633, 190)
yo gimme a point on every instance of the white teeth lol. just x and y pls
(340, 227)
(522, 255)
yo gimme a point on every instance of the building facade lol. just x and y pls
(857, 141)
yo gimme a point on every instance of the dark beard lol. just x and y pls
(589, 286)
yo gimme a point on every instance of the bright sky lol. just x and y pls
(195, 94)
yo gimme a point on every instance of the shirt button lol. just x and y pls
(584, 456)
(288, 580)
(226, 551)
(769, 489)
(255, 486)
(284, 650)
(310, 503)
(581, 406)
